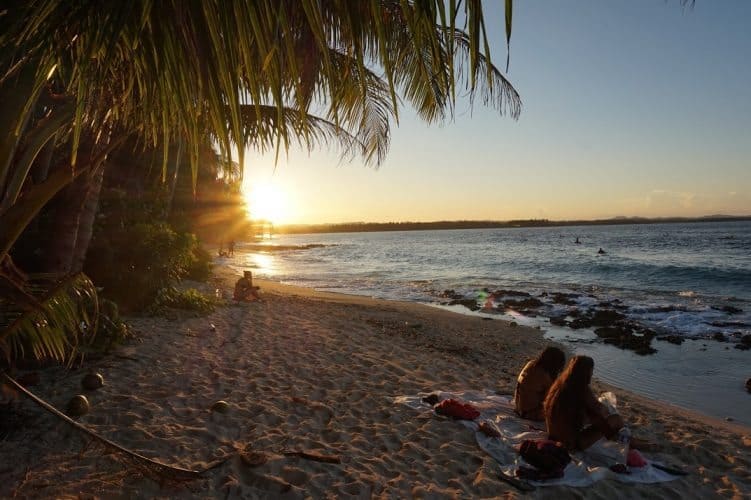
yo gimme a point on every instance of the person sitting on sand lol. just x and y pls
(244, 289)
(534, 381)
(573, 414)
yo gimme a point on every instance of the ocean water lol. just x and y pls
(687, 286)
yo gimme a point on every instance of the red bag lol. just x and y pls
(456, 409)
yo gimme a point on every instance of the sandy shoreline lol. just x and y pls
(317, 372)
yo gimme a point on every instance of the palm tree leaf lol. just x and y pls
(261, 122)
(66, 322)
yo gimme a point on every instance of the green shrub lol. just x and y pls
(132, 264)
(189, 300)
(201, 265)
(112, 329)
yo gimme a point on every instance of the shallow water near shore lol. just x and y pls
(704, 376)
(690, 281)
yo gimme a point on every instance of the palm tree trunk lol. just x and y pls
(62, 225)
(173, 182)
(86, 221)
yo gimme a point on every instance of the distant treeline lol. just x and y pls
(357, 227)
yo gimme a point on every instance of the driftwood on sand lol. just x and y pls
(156, 466)
(151, 464)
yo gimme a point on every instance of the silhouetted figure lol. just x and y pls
(222, 252)
(231, 248)
(573, 415)
(244, 289)
(534, 381)
(601, 251)
(577, 241)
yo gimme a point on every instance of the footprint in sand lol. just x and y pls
(294, 476)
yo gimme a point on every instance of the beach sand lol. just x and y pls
(317, 373)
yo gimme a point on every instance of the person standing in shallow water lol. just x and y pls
(534, 380)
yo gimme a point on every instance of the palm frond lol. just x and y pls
(67, 321)
(260, 123)
(497, 92)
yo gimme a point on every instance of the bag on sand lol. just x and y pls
(456, 409)
(548, 457)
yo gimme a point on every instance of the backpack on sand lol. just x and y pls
(548, 457)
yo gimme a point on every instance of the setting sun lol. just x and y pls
(265, 201)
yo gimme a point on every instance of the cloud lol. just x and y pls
(664, 202)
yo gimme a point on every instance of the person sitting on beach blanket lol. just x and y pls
(534, 381)
(573, 414)
(244, 289)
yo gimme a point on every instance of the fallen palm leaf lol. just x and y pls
(151, 464)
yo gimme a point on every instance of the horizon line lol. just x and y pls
(616, 219)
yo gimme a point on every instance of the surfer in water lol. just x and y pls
(601, 251)
(577, 241)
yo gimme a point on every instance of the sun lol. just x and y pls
(265, 202)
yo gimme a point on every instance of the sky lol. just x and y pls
(630, 108)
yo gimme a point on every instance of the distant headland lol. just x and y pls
(356, 227)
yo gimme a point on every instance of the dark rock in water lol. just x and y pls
(742, 347)
(564, 298)
(528, 303)
(470, 304)
(578, 323)
(510, 293)
(450, 294)
(719, 337)
(606, 317)
(748, 385)
(601, 317)
(610, 332)
(613, 304)
(746, 340)
(673, 339)
(729, 324)
(728, 309)
(664, 309)
(558, 320)
(92, 381)
(647, 332)
(77, 406)
(624, 337)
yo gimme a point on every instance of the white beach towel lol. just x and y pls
(584, 469)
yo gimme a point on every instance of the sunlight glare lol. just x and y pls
(265, 202)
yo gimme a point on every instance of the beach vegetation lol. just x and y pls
(188, 300)
(134, 263)
(80, 83)
(64, 321)
(113, 330)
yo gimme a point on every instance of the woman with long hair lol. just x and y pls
(573, 414)
(534, 381)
